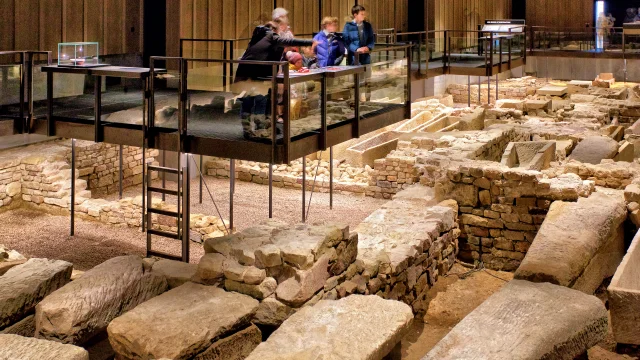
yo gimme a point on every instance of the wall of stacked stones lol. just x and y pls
(502, 209)
(405, 166)
(98, 164)
(460, 92)
(346, 178)
(10, 188)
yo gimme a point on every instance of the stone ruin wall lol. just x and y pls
(502, 209)
(518, 88)
(98, 164)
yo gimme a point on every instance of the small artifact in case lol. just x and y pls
(79, 54)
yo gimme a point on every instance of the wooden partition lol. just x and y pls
(560, 13)
(466, 14)
(42, 24)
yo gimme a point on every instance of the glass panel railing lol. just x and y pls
(386, 85)
(166, 93)
(305, 103)
(240, 111)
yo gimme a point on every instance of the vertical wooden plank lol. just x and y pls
(228, 19)
(133, 26)
(114, 24)
(50, 24)
(7, 25)
(27, 25)
(73, 20)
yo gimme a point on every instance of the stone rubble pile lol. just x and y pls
(9, 258)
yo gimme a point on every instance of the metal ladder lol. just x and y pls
(182, 215)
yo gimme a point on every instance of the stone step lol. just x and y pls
(190, 321)
(357, 327)
(83, 308)
(526, 320)
(579, 244)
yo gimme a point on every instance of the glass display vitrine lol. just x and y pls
(79, 54)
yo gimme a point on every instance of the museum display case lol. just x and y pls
(79, 54)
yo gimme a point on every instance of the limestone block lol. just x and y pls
(261, 291)
(526, 320)
(594, 149)
(632, 193)
(176, 272)
(297, 290)
(626, 152)
(234, 347)
(24, 286)
(25, 327)
(83, 308)
(164, 326)
(552, 90)
(356, 327)
(272, 312)
(16, 347)
(210, 269)
(268, 256)
(624, 297)
(579, 244)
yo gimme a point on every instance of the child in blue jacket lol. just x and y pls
(359, 37)
(330, 49)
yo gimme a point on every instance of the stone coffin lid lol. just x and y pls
(356, 327)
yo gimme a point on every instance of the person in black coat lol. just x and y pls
(265, 45)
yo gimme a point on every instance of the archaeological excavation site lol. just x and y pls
(320, 180)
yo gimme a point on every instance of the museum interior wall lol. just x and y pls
(560, 13)
(42, 24)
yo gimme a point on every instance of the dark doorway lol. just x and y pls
(155, 29)
(519, 9)
(416, 16)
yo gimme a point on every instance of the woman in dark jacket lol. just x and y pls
(265, 45)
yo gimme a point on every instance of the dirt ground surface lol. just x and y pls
(451, 299)
(36, 234)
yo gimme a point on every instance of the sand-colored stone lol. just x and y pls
(14, 347)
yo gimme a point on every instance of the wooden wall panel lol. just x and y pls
(561, 13)
(467, 14)
(42, 24)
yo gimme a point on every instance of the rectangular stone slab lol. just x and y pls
(624, 297)
(83, 308)
(552, 90)
(357, 327)
(16, 347)
(526, 320)
(579, 244)
(24, 286)
(166, 326)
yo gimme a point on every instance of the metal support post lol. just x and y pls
(232, 189)
(270, 191)
(304, 188)
(202, 174)
(479, 93)
(469, 90)
(73, 186)
(497, 81)
(186, 210)
(164, 174)
(120, 172)
(97, 92)
(331, 178)
(488, 90)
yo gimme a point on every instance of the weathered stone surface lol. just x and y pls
(84, 307)
(356, 327)
(25, 327)
(594, 149)
(166, 325)
(235, 347)
(272, 312)
(624, 297)
(260, 291)
(579, 244)
(176, 272)
(16, 347)
(299, 289)
(526, 320)
(268, 256)
(210, 269)
(24, 286)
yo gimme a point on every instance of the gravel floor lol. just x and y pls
(36, 234)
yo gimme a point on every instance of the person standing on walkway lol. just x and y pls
(358, 37)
